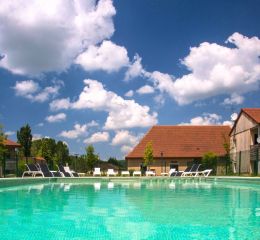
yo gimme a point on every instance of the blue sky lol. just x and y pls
(104, 72)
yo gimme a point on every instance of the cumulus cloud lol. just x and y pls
(26, 87)
(63, 103)
(41, 36)
(121, 113)
(108, 57)
(31, 90)
(130, 93)
(215, 70)
(146, 89)
(126, 139)
(126, 149)
(78, 131)
(234, 99)
(207, 119)
(97, 137)
(9, 133)
(135, 69)
(56, 118)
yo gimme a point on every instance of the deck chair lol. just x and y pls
(46, 172)
(204, 173)
(63, 171)
(32, 170)
(192, 172)
(72, 172)
(125, 173)
(96, 172)
(111, 172)
(179, 173)
(137, 173)
(149, 173)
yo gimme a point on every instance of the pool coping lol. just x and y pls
(8, 182)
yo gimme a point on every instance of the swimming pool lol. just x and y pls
(131, 209)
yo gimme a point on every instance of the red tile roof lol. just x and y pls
(10, 143)
(183, 141)
(254, 113)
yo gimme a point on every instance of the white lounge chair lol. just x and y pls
(125, 173)
(172, 170)
(32, 170)
(193, 171)
(137, 173)
(149, 173)
(204, 173)
(96, 172)
(111, 172)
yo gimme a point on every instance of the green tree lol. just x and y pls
(2, 146)
(48, 150)
(148, 154)
(91, 157)
(209, 161)
(61, 153)
(24, 137)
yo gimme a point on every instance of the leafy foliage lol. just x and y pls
(121, 164)
(148, 154)
(54, 153)
(209, 161)
(91, 157)
(24, 137)
(2, 147)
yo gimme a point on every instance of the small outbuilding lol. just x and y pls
(10, 161)
(178, 146)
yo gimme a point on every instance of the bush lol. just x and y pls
(209, 161)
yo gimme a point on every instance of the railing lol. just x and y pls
(254, 152)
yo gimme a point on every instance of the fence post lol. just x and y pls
(239, 163)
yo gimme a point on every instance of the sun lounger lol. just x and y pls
(179, 173)
(204, 173)
(137, 173)
(194, 169)
(111, 172)
(63, 172)
(172, 170)
(125, 173)
(32, 170)
(149, 173)
(46, 172)
(96, 172)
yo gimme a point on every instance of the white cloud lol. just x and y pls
(146, 89)
(121, 113)
(25, 88)
(97, 137)
(135, 69)
(108, 57)
(215, 70)
(234, 99)
(51, 33)
(40, 124)
(59, 104)
(92, 124)
(31, 90)
(124, 137)
(56, 118)
(9, 133)
(36, 136)
(207, 119)
(130, 93)
(78, 131)
(126, 149)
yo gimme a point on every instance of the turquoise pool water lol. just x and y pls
(149, 209)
